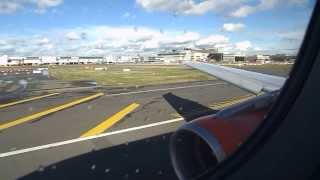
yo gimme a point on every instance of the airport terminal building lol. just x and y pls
(166, 57)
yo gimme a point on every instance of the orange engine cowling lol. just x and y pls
(204, 142)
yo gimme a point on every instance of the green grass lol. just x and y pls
(148, 74)
(138, 76)
(273, 69)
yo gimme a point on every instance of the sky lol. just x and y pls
(113, 27)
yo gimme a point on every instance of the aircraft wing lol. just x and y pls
(248, 80)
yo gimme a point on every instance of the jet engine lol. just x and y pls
(204, 142)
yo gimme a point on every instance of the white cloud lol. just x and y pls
(245, 9)
(268, 4)
(73, 36)
(105, 40)
(43, 4)
(23, 45)
(11, 6)
(231, 27)
(212, 40)
(123, 34)
(257, 49)
(48, 46)
(164, 5)
(6, 46)
(140, 38)
(235, 8)
(189, 7)
(243, 45)
(180, 39)
(100, 39)
(42, 41)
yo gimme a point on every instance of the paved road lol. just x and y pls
(156, 104)
(134, 122)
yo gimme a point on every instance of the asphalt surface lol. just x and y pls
(136, 154)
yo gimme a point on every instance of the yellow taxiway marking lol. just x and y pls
(229, 102)
(49, 111)
(26, 100)
(225, 103)
(100, 128)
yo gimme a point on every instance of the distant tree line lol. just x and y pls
(282, 57)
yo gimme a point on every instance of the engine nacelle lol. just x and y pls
(204, 142)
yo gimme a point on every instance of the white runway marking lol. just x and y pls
(61, 143)
(163, 89)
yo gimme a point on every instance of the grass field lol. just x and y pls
(273, 69)
(148, 74)
(137, 76)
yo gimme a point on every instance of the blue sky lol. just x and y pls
(79, 27)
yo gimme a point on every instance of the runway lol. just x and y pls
(44, 128)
